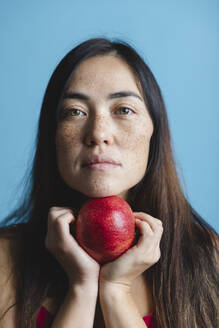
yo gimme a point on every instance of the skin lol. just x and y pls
(103, 126)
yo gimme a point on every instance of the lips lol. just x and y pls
(99, 159)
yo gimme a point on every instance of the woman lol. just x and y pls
(103, 104)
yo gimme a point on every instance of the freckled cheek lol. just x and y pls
(66, 139)
(139, 149)
(136, 147)
(140, 155)
(136, 140)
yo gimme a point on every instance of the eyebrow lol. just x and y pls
(82, 96)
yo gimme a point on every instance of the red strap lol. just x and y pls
(150, 320)
(43, 317)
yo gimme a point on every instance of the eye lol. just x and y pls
(125, 110)
(73, 112)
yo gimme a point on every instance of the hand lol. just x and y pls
(126, 268)
(78, 265)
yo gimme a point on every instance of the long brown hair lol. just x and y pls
(184, 281)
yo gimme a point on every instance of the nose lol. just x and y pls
(98, 131)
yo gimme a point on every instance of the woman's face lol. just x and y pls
(97, 120)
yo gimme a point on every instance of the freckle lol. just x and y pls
(65, 136)
(67, 132)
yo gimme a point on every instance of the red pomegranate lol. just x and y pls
(105, 228)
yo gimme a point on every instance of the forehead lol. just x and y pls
(103, 72)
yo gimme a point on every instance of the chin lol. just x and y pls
(98, 194)
(98, 190)
(102, 192)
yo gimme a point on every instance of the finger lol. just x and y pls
(147, 235)
(153, 222)
(61, 233)
(54, 214)
(61, 223)
(148, 217)
(59, 210)
(144, 227)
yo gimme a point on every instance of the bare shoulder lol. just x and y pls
(7, 278)
(9, 245)
(7, 256)
(8, 248)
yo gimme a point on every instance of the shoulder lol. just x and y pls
(9, 245)
(9, 248)
(7, 272)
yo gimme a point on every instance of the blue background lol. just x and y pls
(179, 40)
